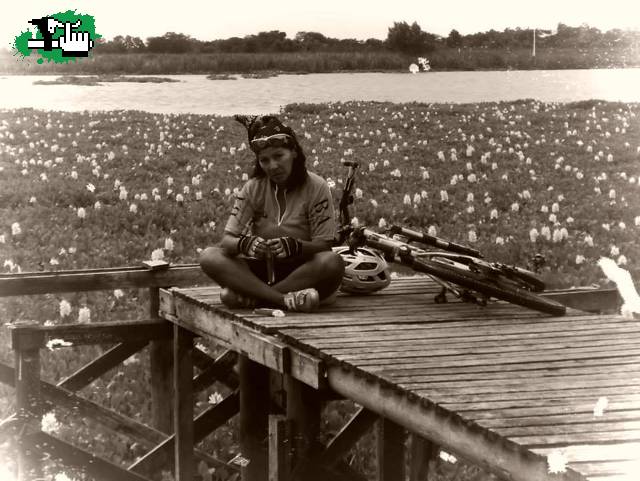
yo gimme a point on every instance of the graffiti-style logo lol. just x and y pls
(59, 37)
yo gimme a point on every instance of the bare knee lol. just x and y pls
(330, 264)
(213, 260)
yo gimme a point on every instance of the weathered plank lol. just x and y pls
(261, 348)
(29, 283)
(96, 368)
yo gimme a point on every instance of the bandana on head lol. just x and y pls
(264, 126)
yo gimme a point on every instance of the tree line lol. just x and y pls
(401, 37)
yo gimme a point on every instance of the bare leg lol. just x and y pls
(323, 272)
(234, 273)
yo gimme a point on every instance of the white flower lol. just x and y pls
(49, 424)
(407, 199)
(470, 197)
(54, 343)
(601, 405)
(168, 244)
(157, 255)
(472, 236)
(123, 194)
(449, 458)
(544, 209)
(493, 214)
(557, 462)
(97, 205)
(612, 194)
(588, 240)
(555, 207)
(2, 239)
(215, 398)
(579, 259)
(65, 308)
(84, 315)
(471, 209)
(515, 207)
(374, 203)
(15, 229)
(444, 196)
(33, 200)
(614, 251)
(545, 232)
(81, 212)
(358, 193)
(133, 208)
(199, 195)
(169, 180)
(118, 293)
(382, 223)
(533, 234)
(91, 188)
(179, 198)
(622, 260)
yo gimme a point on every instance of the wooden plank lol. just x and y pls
(597, 452)
(535, 441)
(161, 370)
(592, 427)
(29, 283)
(55, 397)
(29, 410)
(261, 348)
(96, 368)
(491, 452)
(221, 369)
(279, 448)
(254, 419)
(390, 450)
(94, 466)
(215, 416)
(303, 410)
(110, 332)
(183, 403)
(347, 437)
(422, 452)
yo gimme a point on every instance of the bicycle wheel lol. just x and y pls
(489, 287)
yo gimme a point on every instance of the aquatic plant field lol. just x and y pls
(106, 189)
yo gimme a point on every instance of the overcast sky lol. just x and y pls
(360, 19)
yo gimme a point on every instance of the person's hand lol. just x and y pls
(285, 247)
(252, 246)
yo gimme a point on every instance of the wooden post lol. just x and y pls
(29, 406)
(160, 357)
(279, 448)
(254, 419)
(303, 410)
(183, 401)
(422, 451)
(390, 441)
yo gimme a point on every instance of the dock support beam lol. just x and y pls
(303, 411)
(254, 419)
(160, 358)
(183, 401)
(390, 441)
(422, 452)
(26, 345)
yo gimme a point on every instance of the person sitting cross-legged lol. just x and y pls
(287, 211)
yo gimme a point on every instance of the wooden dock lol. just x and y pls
(501, 386)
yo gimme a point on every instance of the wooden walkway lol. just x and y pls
(502, 386)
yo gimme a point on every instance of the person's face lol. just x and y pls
(277, 163)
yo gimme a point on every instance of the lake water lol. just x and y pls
(197, 94)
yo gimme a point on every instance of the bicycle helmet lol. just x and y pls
(365, 271)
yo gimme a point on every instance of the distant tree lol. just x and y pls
(312, 41)
(454, 39)
(410, 39)
(171, 42)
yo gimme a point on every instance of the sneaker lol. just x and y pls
(306, 300)
(234, 300)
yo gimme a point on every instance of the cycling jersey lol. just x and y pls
(307, 215)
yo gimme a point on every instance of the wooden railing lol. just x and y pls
(34, 397)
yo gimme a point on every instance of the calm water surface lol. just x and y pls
(197, 94)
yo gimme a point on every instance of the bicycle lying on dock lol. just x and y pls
(459, 270)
